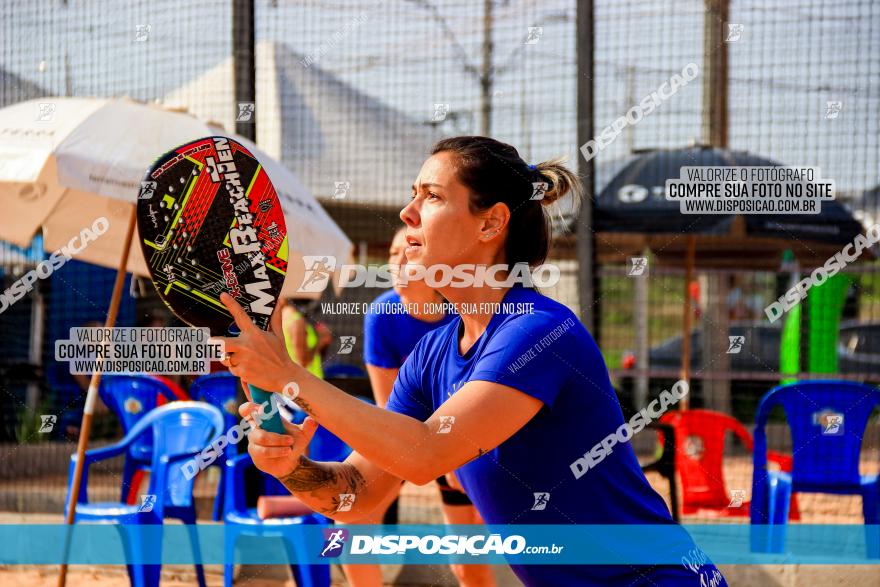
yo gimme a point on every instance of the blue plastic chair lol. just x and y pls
(220, 390)
(131, 397)
(178, 432)
(242, 521)
(825, 458)
(325, 446)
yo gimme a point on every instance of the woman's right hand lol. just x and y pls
(278, 454)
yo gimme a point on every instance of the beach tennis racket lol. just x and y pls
(210, 222)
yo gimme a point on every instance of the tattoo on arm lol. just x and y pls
(304, 405)
(352, 478)
(337, 478)
(308, 476)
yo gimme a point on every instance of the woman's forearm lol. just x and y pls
(396, 443)
(324, 487)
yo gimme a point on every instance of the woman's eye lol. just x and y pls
(432, 195)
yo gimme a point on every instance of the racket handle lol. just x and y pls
(272, 424)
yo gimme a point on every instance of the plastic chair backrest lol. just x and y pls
(178, 429)
(219, 390)
(827, 420)
(700, 437)
(131, 397)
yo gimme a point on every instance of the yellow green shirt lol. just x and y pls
(311, 342)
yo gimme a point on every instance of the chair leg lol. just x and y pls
(135, 572)
(229, 541)
(779, 501)
(871, 503)
(871, 511)
(795, 510)
(219, 500)
(780, 498)
(769, 508)
(140, 575)
(188, 517)
(758, 513)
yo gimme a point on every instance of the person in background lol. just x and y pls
(305, 342)
(389, 337)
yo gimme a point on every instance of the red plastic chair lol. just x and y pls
(177, 390)
(699, 449)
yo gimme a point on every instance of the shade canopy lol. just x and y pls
(64, 165)
(632, 214)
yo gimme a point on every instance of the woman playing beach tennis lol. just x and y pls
(394, 324)
(511, 420)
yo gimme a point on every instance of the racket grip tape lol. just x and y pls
(272, 424)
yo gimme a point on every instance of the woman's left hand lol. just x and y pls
(257, 356)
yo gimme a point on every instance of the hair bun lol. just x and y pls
(562, 180)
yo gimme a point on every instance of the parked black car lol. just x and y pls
(858, 355)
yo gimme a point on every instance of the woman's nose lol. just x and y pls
(410, 213)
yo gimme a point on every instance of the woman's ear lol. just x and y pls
(495, 219)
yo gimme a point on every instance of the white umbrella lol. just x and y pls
(66, 161)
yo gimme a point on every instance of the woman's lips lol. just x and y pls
(412, 244)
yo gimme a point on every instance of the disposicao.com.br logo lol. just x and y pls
(319, 270)
(432, 544)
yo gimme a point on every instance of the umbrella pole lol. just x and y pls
(686, 326)
(91, 396)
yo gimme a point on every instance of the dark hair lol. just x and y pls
(494, 172)
(304, 306)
